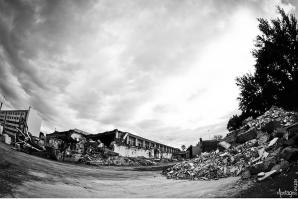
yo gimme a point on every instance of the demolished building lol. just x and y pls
(66, 145)
(74, 145)
(130, 145)
(18, 124)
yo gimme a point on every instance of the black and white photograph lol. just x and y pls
(148, 98)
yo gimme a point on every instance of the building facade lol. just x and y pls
(16, 122)
(67, 145)
(130, 145)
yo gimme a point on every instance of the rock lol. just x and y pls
(261, 151)
(261, 174)
(276, 152)
(289, 153)
(232, 136)
(265, 155)
(247, 121)
(224, 144)
(262, 138)
(246, 174)
(276, 167)
(284, 165)
(273, 119)
(272, 142)
(271, 126)
(256, 168)
(293, 141)
(251, 153)
(269, 163)
(293, 130)
(247, 135)
(280, 132)
(267, 174)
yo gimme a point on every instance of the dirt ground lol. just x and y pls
(282, 185)
(24, 175)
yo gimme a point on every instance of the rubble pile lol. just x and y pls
(106, 157)
(215, 165)
(276, 114)
(100, 160)
(263, 156)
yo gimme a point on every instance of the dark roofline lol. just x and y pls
(80, 131)
(129, 134)
(14, 110)
(58, 133)
(65, 132)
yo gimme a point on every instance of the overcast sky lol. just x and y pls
(164, 70)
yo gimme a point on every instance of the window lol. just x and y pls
(132, 141)
(140, 143)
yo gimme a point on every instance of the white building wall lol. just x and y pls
(34, 123)
(133, 151)
(166, 155)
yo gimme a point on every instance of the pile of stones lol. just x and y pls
(268, 148)
(285, 118)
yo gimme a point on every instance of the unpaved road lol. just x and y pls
(23, 175)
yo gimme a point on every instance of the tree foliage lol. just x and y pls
(275, 80)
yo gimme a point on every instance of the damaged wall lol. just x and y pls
(129, 151)
(166, 155)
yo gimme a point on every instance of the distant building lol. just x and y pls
(67, 145)
(194, 151)
(181, 155)
(130, 145)
(72, 142)
(16, 122)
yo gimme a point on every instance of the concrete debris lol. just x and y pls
(272, 142)
(214, 165)
(261, 174)
(244, 136)
(262, 138)
(267, 174)
(255, 152)
(289, 153)
(98, 160)
(224, 144)
(102, 156)
(273, 114)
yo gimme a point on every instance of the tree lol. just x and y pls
(183, 147)
(275, 80)
(234, 123)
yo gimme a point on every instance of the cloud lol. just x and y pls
(161, 69)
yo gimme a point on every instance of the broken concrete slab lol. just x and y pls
(289, 153)
(267, 174)
(247, 135)
(224, 144)
(273, 141)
